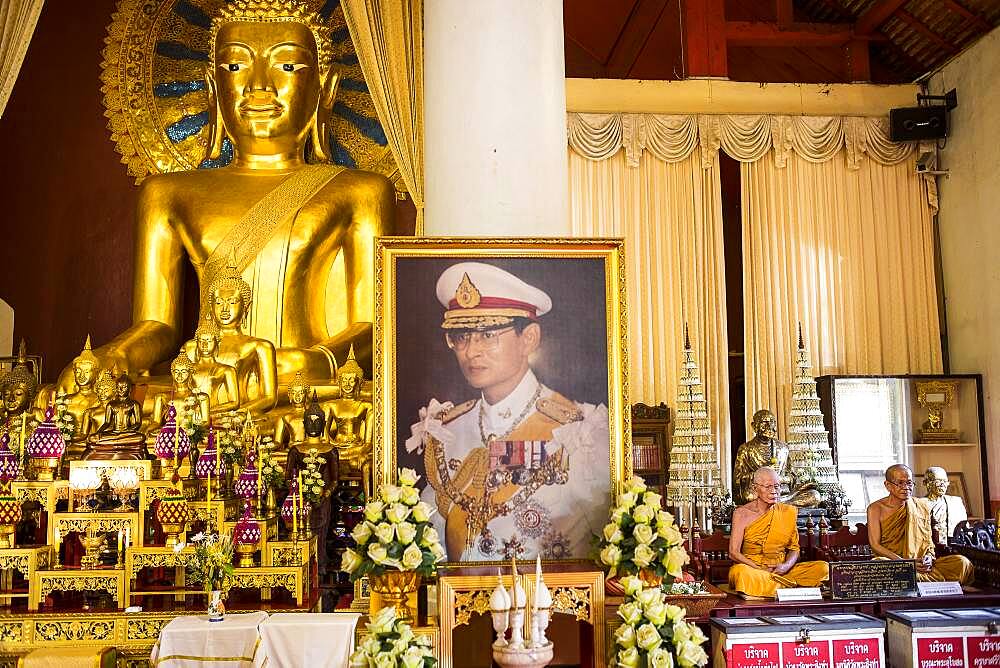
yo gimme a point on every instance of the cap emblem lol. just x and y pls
(466, 294)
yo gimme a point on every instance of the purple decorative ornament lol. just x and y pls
(246, 536)
(45, 446)
(245, 486)
(209, 460)
(10, 467)
(170, 434)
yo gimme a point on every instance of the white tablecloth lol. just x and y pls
(186, 642)
(316, 640)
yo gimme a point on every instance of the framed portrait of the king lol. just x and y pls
(500, 378)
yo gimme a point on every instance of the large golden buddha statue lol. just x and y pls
(282, 220)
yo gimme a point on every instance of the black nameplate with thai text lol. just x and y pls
(881, 578)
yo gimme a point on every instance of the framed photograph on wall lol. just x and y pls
(500, 378)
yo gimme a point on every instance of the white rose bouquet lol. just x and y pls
(271, 471)
(391, 643)
(395, 533)
(641, 536)
(312, 479)
(653, 633)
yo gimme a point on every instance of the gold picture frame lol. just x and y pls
(410, 344)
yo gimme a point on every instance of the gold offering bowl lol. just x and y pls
(395, 588)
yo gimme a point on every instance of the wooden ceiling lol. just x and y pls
(809, 41)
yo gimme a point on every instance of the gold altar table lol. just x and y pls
(138, 558)
(44, 583)
(24, 560)
(289, 552)
(293, 579)
(216, 512)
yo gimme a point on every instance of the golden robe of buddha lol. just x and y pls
(350, 428)
(899, 527)
(211, 377)
(281, 220)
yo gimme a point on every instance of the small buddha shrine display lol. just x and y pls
(439, 335)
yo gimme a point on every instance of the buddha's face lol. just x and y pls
(227, 306)
(268, 85)
(123, 388)
(83, 373)
(313, 425)
(765, 424)
(348, 382)
(205, 344)
(181, 375)
(15, 397)
(297, 394)
(105, 391)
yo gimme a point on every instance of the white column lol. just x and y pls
(495, 118)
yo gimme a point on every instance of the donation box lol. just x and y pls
(944, 638)
(841, 640)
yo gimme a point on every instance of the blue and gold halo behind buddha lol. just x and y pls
(154, 90)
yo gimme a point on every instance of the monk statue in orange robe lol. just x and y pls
(899, 527)
(765, 544)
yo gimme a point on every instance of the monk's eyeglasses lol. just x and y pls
(906, 483)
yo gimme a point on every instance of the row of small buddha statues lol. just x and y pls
(219, 371)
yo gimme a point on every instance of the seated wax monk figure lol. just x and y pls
(765, 543)
(899, 527)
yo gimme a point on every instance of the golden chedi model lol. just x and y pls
(229, 305)
(317, 440)
(19, 387)
(216, 380)
(351, 429)
(763, 450)
(120, 437)
(281, 220)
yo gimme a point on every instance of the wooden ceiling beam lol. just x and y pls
(641, 22)
(877, 14)
(785, 12)
(959, 8)
(917, 25)
(705, 38)
(757, 33)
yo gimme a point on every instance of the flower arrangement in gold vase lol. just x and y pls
(390, 643)
(396, 543)
(641, 538)
(654, 634)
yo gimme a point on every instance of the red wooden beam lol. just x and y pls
(635, 33)
(876, 15)
(785, 13)
(756, 33)
(958, 8)
(858, 57)
(705, 38)
(915, 23)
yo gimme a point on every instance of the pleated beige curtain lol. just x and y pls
(849, 254)
(17, 21)
(670, 216)
(388, 36)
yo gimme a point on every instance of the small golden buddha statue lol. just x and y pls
(184, 391)
(764, 449)
(211, 377)
(120, 437)
(352, 413)
(93, 417)
(83, 396)
(19, 388)
(317, 443)
(283, 221)
(289, 426)
(229, 301)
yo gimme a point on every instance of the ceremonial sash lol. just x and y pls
(248, 237)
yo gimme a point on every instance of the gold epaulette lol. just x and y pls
(559, 408)
(456, 412)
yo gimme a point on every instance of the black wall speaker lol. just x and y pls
(918, 123)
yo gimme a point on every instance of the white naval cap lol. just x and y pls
(481, 296)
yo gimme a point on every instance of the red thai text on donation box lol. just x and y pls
(755, 655)
(940, 653)
(857, 653)
(984, 651)
(815, 654)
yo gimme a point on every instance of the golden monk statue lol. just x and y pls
(764, 449)
(229, 303)
(282, 220)
(351, 428)
(765, 543)
(214, 379)
(899, 527)
(18, 387)
(317, 443)
(120, 436)
(184, 392)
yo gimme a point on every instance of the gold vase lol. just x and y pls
(395, 588)
(246, 552)
(46, 468)
(649, 578)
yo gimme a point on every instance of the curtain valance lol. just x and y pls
(746, 138)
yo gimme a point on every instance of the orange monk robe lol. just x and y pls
(907, 532)
(767, 541)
